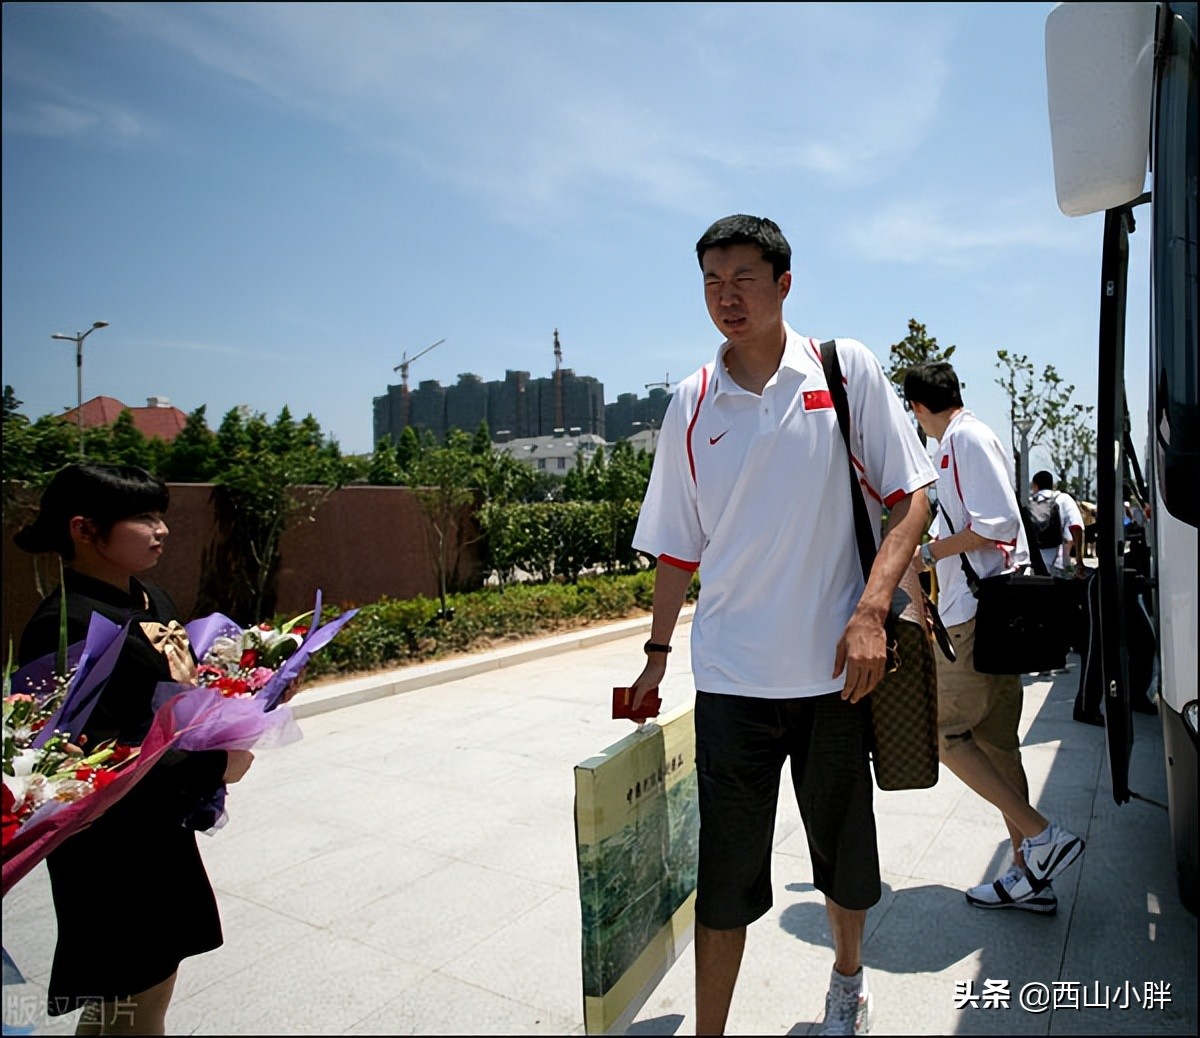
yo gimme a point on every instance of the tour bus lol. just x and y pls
(1122, 91)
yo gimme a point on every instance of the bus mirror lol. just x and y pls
(1099, 78)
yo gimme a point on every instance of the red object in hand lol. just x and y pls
(623, 705)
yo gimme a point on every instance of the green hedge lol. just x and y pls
(392, 633)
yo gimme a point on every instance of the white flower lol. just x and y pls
(24, 762)
(29, 791)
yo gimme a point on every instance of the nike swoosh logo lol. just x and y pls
(713, 439)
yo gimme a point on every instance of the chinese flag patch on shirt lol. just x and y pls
(946, 462)
(817, 400)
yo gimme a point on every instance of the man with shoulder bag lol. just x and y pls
(980, 553)
(751, 483)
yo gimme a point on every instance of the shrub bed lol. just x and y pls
(391, 633)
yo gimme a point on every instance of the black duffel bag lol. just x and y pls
(1021, 619)
(1020, 624)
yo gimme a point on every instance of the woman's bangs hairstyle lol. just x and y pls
(105, 494)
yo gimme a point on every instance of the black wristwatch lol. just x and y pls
(650, 647)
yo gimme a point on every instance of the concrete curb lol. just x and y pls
(353, 691)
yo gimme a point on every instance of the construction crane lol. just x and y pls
(402, 367)
(558, 394)
(665, 384)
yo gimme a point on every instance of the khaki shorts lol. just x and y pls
(985, 708)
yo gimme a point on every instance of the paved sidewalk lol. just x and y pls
(409, 868)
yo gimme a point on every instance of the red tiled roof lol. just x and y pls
(164, 422)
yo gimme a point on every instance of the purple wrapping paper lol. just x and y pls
(215, 722)
(101, 649)
(37, 678)
(203, 632)
(212, 721)
(268, 696)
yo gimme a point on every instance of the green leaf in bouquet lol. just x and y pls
(60, 660)
(279, 650)
(287, 627)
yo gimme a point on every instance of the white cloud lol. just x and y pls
(946, 233)
(47, 109)
(537, 107)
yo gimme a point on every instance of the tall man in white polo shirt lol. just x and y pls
(750, 485)
(979, 714)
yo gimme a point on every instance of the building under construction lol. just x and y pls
(515, 408)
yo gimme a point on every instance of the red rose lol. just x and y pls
(102, 778)
(120, 753)
(84, 774)
(232, 687)
(249, 659)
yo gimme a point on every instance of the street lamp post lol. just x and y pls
(78, 340)
(1024, 424)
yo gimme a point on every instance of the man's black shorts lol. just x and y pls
(741, 744)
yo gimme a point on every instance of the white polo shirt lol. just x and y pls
(975, 487)
(1071, 518)
(755, 491)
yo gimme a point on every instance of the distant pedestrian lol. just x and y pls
(979, 714)
(1058, 524)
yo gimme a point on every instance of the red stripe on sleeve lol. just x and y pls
(670, 560)
(891, 499)
(692, 423)
(870, 490)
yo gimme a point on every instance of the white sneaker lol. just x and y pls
(1013, 890)
(847, 1010)
(1049, 856)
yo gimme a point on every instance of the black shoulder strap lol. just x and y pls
(968, 569)
(841, 405)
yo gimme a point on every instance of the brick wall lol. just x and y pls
(362, 544)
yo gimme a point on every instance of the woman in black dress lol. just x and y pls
(130, 892)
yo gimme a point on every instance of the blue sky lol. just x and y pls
(272, 203)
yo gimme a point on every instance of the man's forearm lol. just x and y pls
(963, 541)
(906, 525)
(670, 591)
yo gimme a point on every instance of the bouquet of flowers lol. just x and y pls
(58, 771)
(248, 672)
(240, 663)
(52, 788)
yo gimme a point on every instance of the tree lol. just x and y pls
(384, 471)
(1045, 400)
(408, 448)
(192, 458)
(917, 347)
(1071, 444)
(126, 444)
(11, 403)
(232, 438)
(443, 480)
(481, 442)
(273, 476)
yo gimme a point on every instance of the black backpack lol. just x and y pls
(1046, 521)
